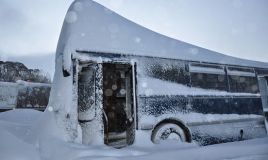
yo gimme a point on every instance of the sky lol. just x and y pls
(29, 29)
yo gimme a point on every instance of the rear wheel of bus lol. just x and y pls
(170, 132)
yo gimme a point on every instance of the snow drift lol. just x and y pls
(20, 139)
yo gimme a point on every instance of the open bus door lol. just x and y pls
(119, 124)
(117, 101)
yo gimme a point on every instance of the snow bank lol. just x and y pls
(23, 116)
(13, 148)
(151, 86)
(18, 145)
(61, 110)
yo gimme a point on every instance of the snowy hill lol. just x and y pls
(45, 63)
(13, 71)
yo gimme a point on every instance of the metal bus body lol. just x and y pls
(212, 103)
(116, 79)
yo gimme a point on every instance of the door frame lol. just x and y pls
(134, 90)
(77, 58)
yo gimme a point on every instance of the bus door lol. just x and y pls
(86, 92)
(263, 85)
(119, 127)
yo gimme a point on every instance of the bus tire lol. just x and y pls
(170, 131)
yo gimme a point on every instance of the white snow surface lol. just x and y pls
(24, 136)
(92, 27)
(152, 86)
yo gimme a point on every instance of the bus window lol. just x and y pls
(242, 80)
(168, 70)
(208, 76)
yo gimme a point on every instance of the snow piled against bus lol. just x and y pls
(24, 135)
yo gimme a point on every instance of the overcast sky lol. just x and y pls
(30, 28)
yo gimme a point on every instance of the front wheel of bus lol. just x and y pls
(168, 131)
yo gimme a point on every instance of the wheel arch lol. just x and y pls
(178, 122)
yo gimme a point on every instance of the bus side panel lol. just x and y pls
(211, 119)
(246, 105)
(228, 132)
(211, 105)
(158, 105)
(227, 105)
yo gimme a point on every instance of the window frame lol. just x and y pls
(209, 70)
(236, 73)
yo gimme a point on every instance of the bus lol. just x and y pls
(115, 80)
(170, 98)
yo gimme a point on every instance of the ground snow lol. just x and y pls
(23, 137)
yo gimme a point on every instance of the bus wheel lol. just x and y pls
(168, 131)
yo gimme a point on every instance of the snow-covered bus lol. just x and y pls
(115, 80)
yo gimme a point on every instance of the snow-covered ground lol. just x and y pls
(22, 138)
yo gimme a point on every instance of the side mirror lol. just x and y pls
(65, 73)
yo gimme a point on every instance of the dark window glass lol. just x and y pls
(219, 67)
(208, 76)
(246, 84)
(168, 70)
(208, 81)
(237, 69)
(262, 71)
(242, 79)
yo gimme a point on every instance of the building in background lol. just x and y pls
(21, 87)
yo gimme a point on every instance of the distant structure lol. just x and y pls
(21, 87)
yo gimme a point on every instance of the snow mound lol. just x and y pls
(17, 144)
(23, 116)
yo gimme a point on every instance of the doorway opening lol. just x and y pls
(119, 127)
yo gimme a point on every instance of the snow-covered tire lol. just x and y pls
(168, 131)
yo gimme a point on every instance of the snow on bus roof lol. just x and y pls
(92, 27)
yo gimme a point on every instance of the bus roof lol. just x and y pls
(90, 26)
